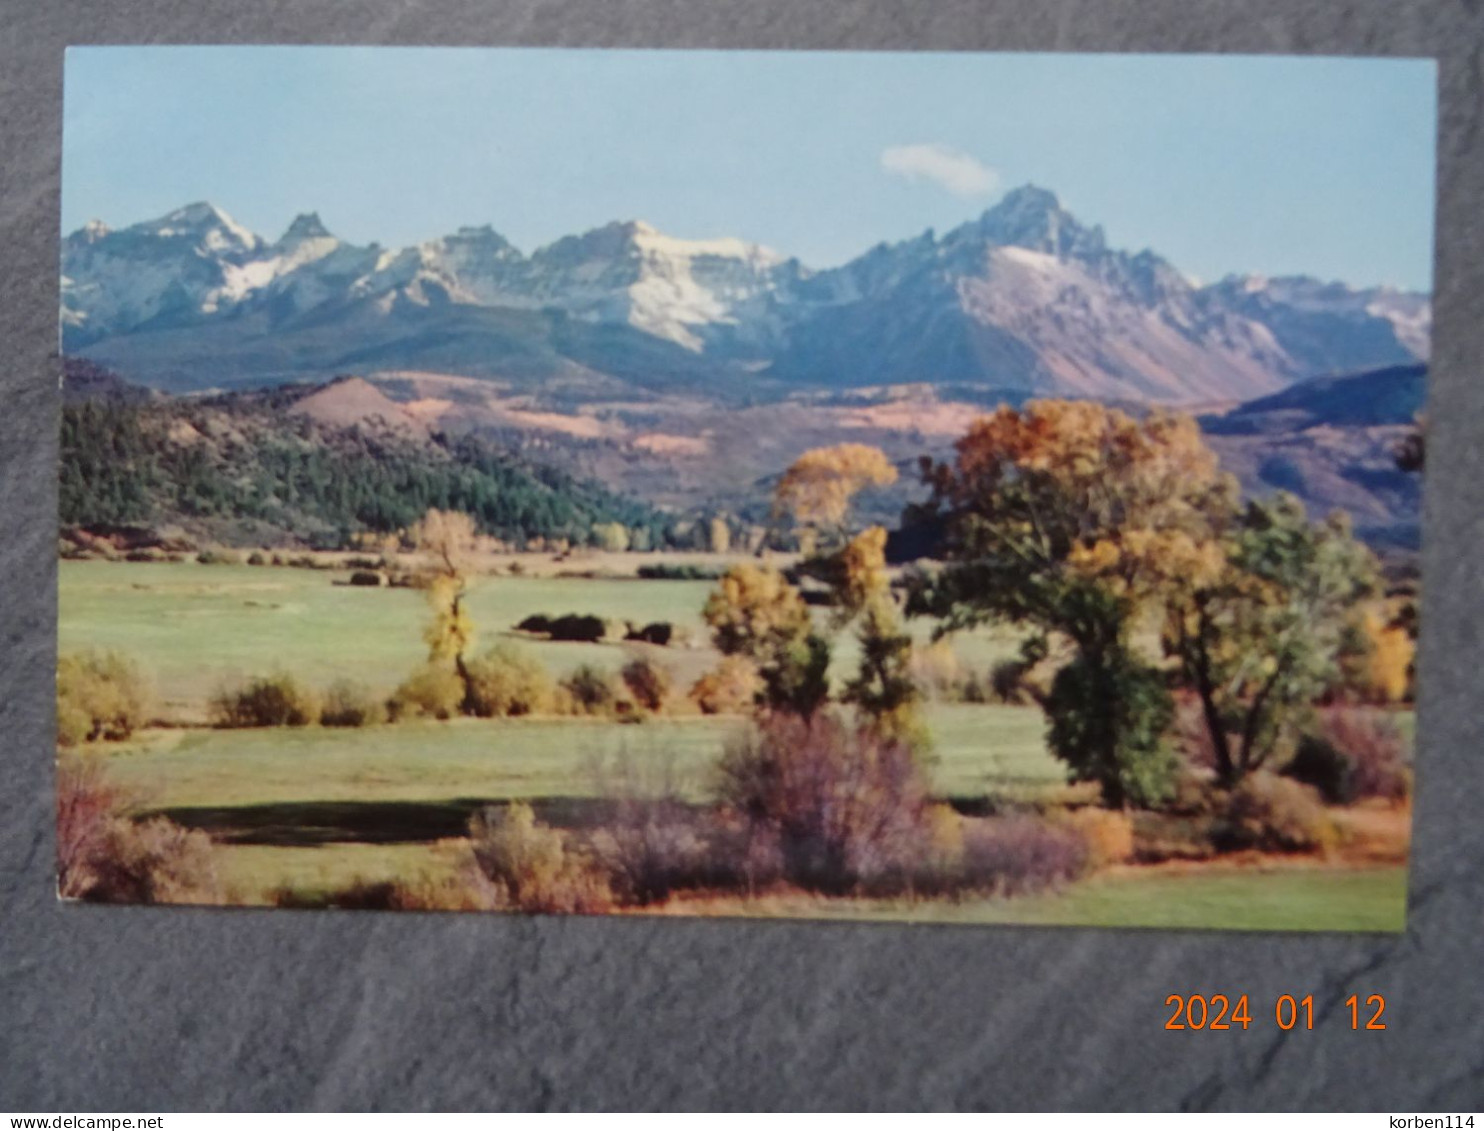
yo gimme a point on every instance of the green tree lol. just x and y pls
(1069, 517)
(611, 536)
(883, 686)
(1262, 636)
(755, 612)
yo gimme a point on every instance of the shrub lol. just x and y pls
(219, 557)
(730, 688)
(975, 690)
(654, 843)
(1020, 854)
(1323, 766)
(421, 893)
(153, 861)
(936, 670)
(532, 867)
(580, 628)
(86, 806)
(1274, 814)
(1389, 663)
(432, 691)
(591, 690)
(1379, 754)
(277, 700)
(649, 682)
(1007, 683)
(1190, 835)
(1352, 754)
(687, 571)
(74, 724)
(507, 681)
(846, 805)
(1108, 835)
(653, 848)
(350, 704)
(660, 632)
(256, 558)
(99, 695)
(104, 857)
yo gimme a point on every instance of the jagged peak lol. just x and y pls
(197, 212)
(91, 232)
(1030, 197)
(200, 218)
(1034, 218)
(305, 226)
(482, 235)
(640, 237)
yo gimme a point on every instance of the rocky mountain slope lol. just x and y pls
(1333, 442)
(1023, 300)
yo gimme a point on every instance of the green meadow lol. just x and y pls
(317, 809)
(197, 627)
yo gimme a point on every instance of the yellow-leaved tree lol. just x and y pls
(754, 612)
(883, 686)
(817, 489)
(449, 541)
(1392, 652)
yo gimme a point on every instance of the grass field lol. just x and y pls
(1245, 899)
(977, 748)
(195, 627)
(273, 795)
(318, 809)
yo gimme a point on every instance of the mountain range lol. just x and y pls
(1024, 300)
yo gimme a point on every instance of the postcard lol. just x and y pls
(956, 488)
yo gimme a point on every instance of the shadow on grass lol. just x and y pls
(307, 823)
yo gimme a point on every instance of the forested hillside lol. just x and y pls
(245, 468)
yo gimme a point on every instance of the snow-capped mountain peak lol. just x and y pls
(305, 226)
(1033, 218)
(687, 291)
(1026, 297)
(202, 221)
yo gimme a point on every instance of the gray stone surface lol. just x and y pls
(139, 1008)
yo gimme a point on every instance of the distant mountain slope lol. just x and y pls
(1024, 299)
(306, 464)
(1379, 397)
(1333, 442)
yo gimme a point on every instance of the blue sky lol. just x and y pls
(1267, 164)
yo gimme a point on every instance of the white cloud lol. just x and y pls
(943, 165)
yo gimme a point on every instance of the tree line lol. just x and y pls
(125, 464)
(1118, 539)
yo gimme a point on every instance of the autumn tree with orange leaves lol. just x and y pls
(1067, 516)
